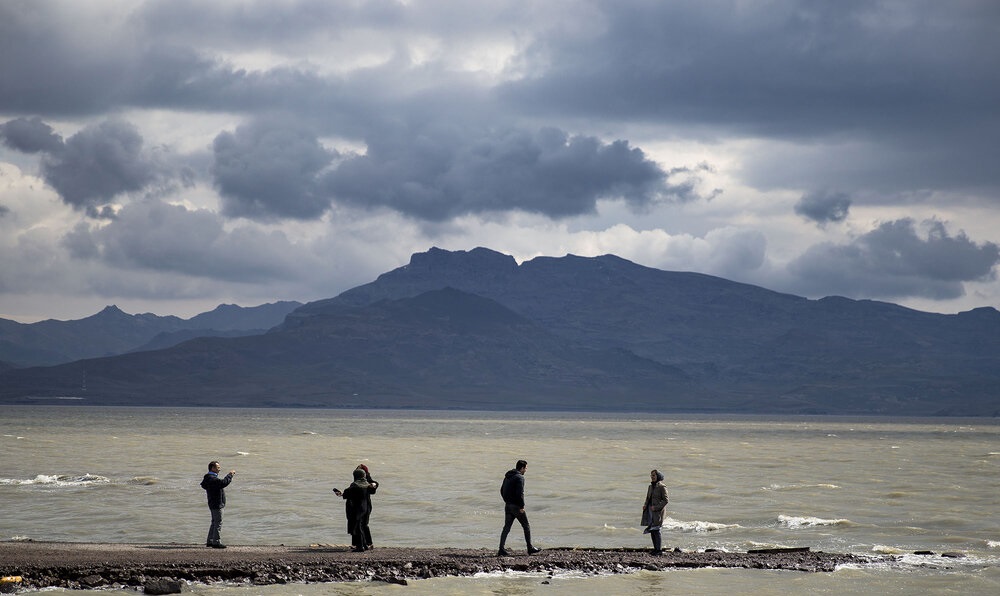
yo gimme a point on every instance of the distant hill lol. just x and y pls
(476, 330)
(112, 331)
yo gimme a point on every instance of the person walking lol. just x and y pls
(356, 508)
(653, 509)
(512, 491)
(215, 488)
(368, 498)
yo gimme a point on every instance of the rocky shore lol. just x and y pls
(158, 568)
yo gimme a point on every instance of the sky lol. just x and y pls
(167, 156)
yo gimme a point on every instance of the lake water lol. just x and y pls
(864, 486)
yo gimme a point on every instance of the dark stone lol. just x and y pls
(953, 555)
(92, 581)
(923, 552)
(162, 586)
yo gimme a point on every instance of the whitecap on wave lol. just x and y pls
(794, 521)
(696, 527)
(800, 486)
(144, 480)
(993, 544)
(57, 480)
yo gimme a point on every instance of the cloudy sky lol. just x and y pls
(171, 155)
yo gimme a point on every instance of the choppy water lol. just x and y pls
(846, 485)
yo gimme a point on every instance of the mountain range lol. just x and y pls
(111, 332)
(477, 330)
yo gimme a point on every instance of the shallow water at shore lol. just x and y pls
(839, 485)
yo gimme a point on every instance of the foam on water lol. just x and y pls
(779, 487)
(697, 527)
(793, 521)
(57, 480)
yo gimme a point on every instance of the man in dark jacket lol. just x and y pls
(215, 488)
(512, 491)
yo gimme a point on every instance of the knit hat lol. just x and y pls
(359, 474)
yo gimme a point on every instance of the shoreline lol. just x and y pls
(79, 565)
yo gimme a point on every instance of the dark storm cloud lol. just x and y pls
(440, 172)
(785, 67)
(99, 163)
(158, 237)
(824, 206)
(30, 135)
(268, 169)
(910, 77)
(894, 261)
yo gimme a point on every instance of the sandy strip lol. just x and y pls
(77, 565)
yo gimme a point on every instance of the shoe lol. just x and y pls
(218, 545)
(503, 553)
(656, 552)
(357, 550)
(532, 550)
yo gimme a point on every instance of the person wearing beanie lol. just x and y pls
(356, 507)
(654, 508)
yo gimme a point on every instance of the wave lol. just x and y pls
(993, 544)
(793, 521)
(696, 527)
(57, 480)
(144, 480)
(801, 486)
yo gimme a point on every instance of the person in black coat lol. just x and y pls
(215, 489)
(512, 492)
(357, 497)
(368, 515)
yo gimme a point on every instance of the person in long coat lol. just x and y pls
(356, 508)
(654, 508)
(368, 497)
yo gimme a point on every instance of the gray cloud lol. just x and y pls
(894, 261)
(441, 172)
(269, 169)
(909, 78)
(30, 135)
(154, 236)
(101, 162)
(824, 206)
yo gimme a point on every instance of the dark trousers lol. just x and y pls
(215, 530)
(657, 543)
(358, 532)
(512, 512)
(367, 530)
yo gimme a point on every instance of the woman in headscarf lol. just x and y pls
(356, 496)
(368, 497)
(654, 508)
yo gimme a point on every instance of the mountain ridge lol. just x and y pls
(476, 330)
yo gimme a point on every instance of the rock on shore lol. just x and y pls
(88, 566)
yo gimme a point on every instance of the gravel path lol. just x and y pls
(84, 565)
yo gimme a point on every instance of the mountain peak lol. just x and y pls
(112, 311)
(477, 259)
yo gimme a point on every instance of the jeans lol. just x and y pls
(214, 530)
(512, 512)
